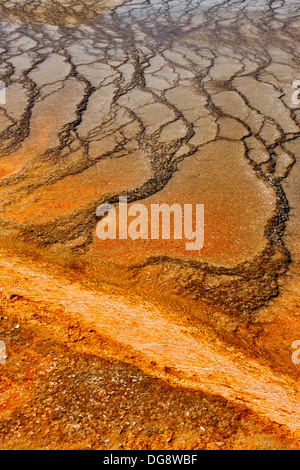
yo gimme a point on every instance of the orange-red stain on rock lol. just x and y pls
(62, 198)
(47, 120)
(237, 206)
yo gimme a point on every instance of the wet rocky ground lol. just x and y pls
(185, 102)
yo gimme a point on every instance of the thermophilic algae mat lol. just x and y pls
(161, 105)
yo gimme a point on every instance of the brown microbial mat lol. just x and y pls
(114, 335)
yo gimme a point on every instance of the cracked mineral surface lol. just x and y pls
(165, 102)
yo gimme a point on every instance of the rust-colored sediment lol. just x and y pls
(99, 327)
(163, 102)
